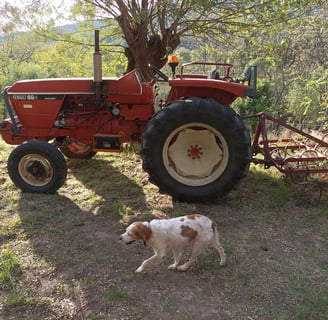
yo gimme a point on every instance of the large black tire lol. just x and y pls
(196, 149)
(37, 166)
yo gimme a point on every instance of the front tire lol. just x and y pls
(37, 166)
(196, 149)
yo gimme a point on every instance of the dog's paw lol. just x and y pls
(182, 268)
(223, 261)
(172, 266)
(139, 270)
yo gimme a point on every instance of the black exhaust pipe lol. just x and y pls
(97, 67)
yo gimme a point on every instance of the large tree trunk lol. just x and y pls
(144, 49)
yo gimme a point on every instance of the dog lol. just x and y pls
(173, 235)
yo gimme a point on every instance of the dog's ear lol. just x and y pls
(142, 231)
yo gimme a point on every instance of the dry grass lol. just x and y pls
(60, 256)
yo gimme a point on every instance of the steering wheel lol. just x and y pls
(158, 72)
(229, 79)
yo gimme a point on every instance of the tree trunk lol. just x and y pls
(143, 49)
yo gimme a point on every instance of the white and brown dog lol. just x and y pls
(172, 235)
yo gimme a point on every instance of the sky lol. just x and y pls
(55, 3)
(62, 5)
(24, 2)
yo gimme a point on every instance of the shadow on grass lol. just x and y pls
(269, 189)
(115, 189)
(74, 236)
(74, 266)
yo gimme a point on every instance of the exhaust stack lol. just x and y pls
(97, 67)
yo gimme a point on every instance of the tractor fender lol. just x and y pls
(220, 90)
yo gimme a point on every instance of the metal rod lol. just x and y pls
(10, 110)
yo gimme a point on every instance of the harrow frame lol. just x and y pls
(295, 157)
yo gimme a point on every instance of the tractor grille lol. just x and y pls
(90, 107)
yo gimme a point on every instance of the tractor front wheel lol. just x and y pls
(196, 149)
(37, 166)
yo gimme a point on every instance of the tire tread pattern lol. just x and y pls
(51, 153)
(207, 111)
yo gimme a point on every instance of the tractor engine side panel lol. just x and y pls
(84, 117)
(57, 108)
(37, 102)
(127, 124)
(37, 110)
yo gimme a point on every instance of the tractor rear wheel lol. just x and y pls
(37, 166)
(196, 149)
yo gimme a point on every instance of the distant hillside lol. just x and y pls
(67, 28)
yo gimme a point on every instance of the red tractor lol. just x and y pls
(194, 148)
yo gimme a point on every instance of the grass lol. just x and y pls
(9, 264)
(115, 293)
(61, 257)
(208, 260)
(314, 302)
(170, 304)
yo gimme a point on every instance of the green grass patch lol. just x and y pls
(312, 301)
(124, 211)
(115, 293)
(10, 227)
(171, 304)
(279, 197)
(9, 265)
(208, 260)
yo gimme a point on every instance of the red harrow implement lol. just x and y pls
(300, 155)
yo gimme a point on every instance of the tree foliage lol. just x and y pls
(154, 29)
(23, 15)
(287, 40)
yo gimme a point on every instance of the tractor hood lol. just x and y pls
(52, 86)
(129, 89)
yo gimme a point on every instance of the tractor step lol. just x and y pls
(107, 143)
